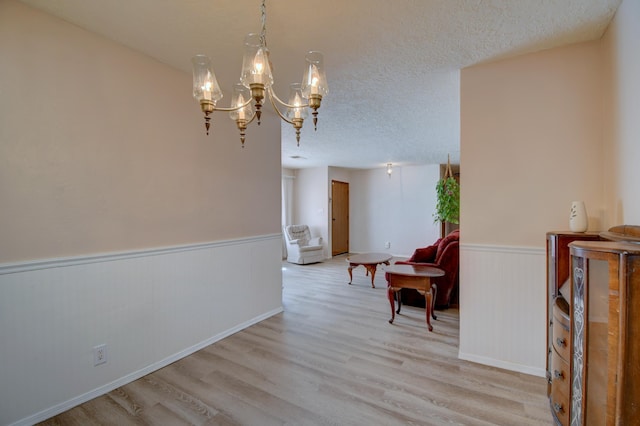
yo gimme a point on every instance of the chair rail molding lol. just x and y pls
(32, 265)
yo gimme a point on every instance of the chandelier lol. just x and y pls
(256, 82)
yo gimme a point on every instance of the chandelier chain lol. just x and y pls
(263, 20)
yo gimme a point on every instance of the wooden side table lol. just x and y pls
(370, 261)
(415, 277)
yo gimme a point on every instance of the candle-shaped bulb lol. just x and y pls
(241, 113)
(314, 80)
(206, 90)
(255, 62)
(205, 85)
(240, 96)
(258, 67)
(296, 102)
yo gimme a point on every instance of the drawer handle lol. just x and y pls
(558, 408)
(558, 374)
(561, 341)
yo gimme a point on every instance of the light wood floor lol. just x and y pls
(330, 359)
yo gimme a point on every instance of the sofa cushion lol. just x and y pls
(424, 255)
(298, 232)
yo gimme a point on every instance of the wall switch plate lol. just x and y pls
(99, 354)
(387, 244)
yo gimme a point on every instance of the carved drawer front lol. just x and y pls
(560, 387)
(561, 335)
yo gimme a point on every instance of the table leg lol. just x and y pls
(399, 300)
(428, 306)
(372, 270)
(390, 296)
(434, 290)
(350, 268)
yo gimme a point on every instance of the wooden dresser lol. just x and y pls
(558, 319)
(594, 336)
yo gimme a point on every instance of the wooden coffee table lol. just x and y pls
(416, 277)
(370, 261)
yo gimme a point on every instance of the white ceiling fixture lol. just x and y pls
(256, 80)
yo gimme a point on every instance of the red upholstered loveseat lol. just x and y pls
(443, 254)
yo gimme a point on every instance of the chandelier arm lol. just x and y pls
(281, 102)
(231, 109)
(249, 121)
(253, 117)
(273, 104)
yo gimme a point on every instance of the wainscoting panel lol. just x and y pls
(150, 308)
(503, 307)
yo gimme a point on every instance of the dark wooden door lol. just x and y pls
(339, 217)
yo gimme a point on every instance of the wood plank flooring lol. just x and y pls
(330, 359)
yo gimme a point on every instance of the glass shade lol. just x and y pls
(255, 63)
(205, 85)
(314, 80)
(296, 99)
(240, 96)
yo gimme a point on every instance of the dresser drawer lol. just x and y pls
(560, 388)
(560, 373)
(561, 327)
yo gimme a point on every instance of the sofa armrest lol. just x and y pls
(315, 241)
(406, 262)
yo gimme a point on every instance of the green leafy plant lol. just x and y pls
(448, 202)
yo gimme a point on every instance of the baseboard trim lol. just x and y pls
(17, 267)
(67, 405)
(540, 372)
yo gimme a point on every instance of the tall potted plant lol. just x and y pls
(448, 200)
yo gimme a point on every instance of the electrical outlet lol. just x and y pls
(387, 244)
(99, 354)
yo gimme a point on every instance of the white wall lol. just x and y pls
(102, 151)
(397, 209)
(340, 174)
(622, 109)
(311, 196)
(531, 142)
(532, 136)
(288, 184)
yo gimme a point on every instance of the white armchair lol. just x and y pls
(301, 248)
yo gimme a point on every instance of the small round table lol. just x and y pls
(370, 261)
(416, 277)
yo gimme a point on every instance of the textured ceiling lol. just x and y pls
(393, 66)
